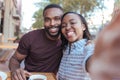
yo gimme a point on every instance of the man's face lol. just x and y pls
(52, 21)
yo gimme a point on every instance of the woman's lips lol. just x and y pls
(70, 34)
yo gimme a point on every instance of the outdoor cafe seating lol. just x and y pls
(6, 51)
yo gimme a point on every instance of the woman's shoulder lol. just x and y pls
(90, 44)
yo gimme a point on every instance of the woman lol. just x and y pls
(75, 30)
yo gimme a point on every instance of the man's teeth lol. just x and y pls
(53, 29)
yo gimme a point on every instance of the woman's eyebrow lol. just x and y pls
(72, 20)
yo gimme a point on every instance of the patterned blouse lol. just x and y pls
(72, 66)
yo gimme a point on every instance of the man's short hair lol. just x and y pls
(52, 6)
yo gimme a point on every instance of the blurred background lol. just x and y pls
(18, 17)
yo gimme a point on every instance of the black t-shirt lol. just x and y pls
(43, 54)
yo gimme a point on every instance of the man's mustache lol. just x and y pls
(52, 27)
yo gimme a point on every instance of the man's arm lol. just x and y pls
(15, 61)
(14, 66)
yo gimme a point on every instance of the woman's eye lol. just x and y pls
(63, 26)
(73, 22)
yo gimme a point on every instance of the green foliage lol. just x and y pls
(38, 15)
(80, 6)
(117, 3)
(39, 19)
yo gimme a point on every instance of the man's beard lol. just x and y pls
(53, 36)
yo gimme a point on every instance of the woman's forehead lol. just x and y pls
(71, 16)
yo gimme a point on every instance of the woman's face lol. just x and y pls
(72, 27)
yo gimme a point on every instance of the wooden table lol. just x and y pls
(12, 39)
(8, 45)
(50, 76)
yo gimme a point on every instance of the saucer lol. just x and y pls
(3, 75)
(36, 76)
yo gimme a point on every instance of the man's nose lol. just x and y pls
(52, 22)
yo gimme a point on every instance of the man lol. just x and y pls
(41, 49)
(104, 64)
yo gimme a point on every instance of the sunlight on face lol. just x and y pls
(72, 27)
(52, 21)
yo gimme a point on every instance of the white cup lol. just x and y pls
(3, 75)
(37, 77)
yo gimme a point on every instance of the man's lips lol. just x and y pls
(53, 30)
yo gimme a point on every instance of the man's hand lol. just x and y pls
(20, 74)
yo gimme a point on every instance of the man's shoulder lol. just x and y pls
(35, 32)
(33, 35)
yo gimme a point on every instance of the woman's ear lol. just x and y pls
(83, 27)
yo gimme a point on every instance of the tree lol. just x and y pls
(80, 6)
(39, 19)
(117, 3)
(38, 15)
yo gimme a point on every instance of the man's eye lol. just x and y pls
(46, 20)
(57, 19)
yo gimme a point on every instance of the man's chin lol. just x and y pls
(54, 35)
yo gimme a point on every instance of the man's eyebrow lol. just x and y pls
(58, 16)
(53, 17)
(46, 18)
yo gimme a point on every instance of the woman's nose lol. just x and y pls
(68, 26)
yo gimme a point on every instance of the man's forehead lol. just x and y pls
(53, 12)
